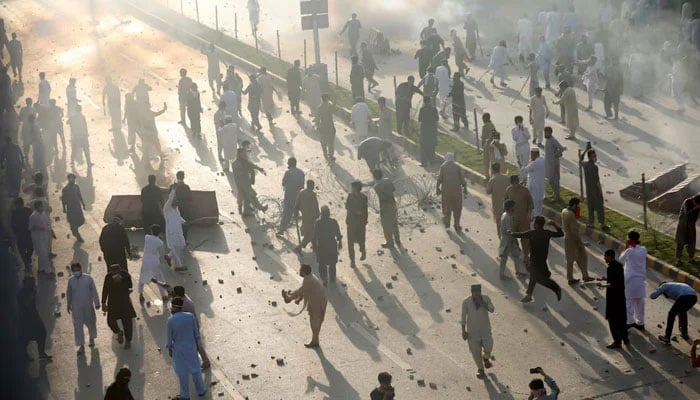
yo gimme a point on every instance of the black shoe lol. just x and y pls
(664, 339)
(626, 342)
(685, 336)
(614, 346)
(363, 256)
(558, 292)
(630, 326)
(639, 327)
(388, 245)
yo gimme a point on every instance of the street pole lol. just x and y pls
(305, 65)
(644, 199)
(196, 7)
(216, 16)
(394, 87)
(255, 34)
(235, 25)
(336, 68)
(476, 131)
(279, 51)
(317, 45)
(182, 9)
(580, 175)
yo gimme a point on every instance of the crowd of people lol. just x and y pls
(167, 213)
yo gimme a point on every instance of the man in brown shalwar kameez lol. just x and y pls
(313, 293)
(307, 204)
(497, 186)
(523, 209)
(451, 184)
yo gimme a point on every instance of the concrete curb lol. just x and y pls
(412, 147)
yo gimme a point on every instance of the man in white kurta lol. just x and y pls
(499, 59)
(476, 328)
(535, 171)
(173, 231)
(153, 250)
(311, 89)
(360, 118)
(267, 89)
(590, 79)
(521, 138)
(538, 113)
(524, 37)
(71, 98)
(229, 135)
(40, 230)
(232, 101)
(635, 260)
(508, 245)
(81, 296)
(442, 73)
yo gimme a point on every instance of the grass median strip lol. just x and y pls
(658, 244)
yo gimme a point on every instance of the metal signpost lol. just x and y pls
(314, 16)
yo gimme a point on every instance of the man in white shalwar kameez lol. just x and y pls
(590, 79)
(71, 98)
(521, 138)
(635, 260)
(173, 231)
(442, 73)
(524, 37)
(153, 250)
(40, 230)
(44, 90)
(538, 113)
(476, 328)
(553, 22)
(360, 118)
(229, 134)
(535, 171)
(499, 59)
(81, 296)
(508, 245)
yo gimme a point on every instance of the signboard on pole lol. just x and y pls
(314, 7)
(307, 21)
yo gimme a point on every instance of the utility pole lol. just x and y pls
(314, 16)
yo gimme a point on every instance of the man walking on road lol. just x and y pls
(615, 304)
(73, 206)
(356, 221)
(353, 27)
(114, 243)
(404, 98)
(213, 68)
(452, 185)
(574, 249)
(41, 233)
(387, 209)
(685, 230)
(594, 192)
(81, 294)
(294, 87)
(188, 306)
(244, 177)
(428, 118)
(635, 260)
(357, 78)
(326, 242)
(360, 118)
(151, 204)
(497, 186)
(174, 232)
(113, 103)
(539, 251)
(535, 171)
(476, 328)
(292, 183)
(684, 298)
(116, 302)
(326, 128)
(267, 89)
(508, 245)
(14, 47)
(553, 151)
(523, 211)
(80, 143)
(313, 293)
(521, 137)
(31, 327)
(153, 256)
(182, 343)
(254, 93)
(307, 204)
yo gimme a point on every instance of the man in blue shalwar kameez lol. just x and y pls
(183, 337)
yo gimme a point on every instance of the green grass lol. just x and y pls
(658, 244)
